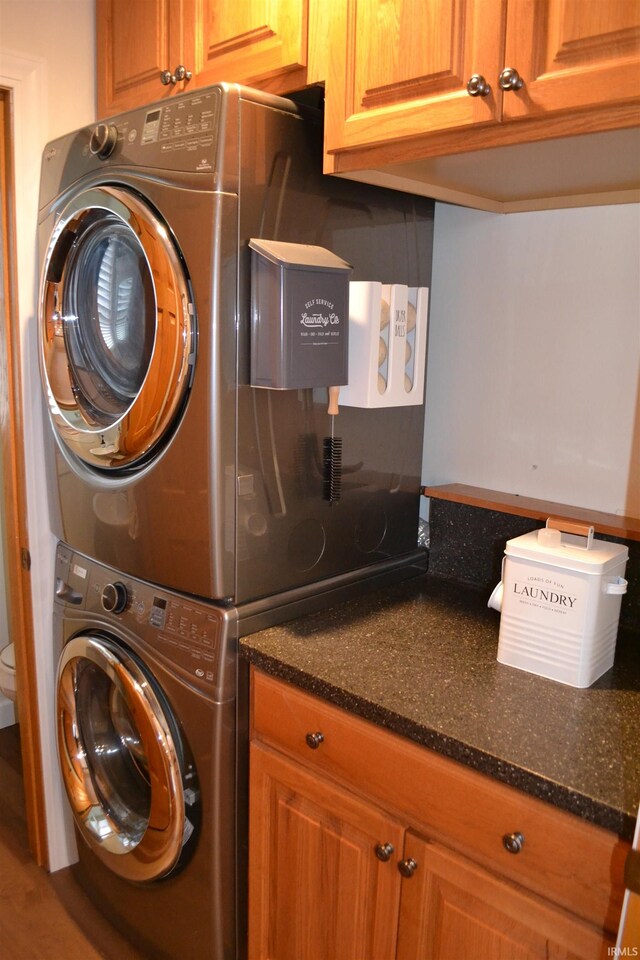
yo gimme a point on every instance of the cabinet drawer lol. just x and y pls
(574, 863)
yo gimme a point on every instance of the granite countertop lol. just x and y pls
(419, 658)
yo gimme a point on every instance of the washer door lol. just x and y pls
(122, 761)
(117, 328)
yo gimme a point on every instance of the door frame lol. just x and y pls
(16, 545)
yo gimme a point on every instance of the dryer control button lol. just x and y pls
(103, 140)
(115, 597)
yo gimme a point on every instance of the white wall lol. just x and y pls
(60, 36)
(533, 380)
(47, 60)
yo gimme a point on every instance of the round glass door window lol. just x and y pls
(109, 319)
(123, 762)
(117, 328)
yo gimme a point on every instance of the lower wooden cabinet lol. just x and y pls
(317, 891)
(338, 872)
(452, 908)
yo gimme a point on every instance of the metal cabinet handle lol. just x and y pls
(180, 73)
(477, 86)
(384, 851)
(314, 740)
(408, 867)
(513, 842)
(510, 79)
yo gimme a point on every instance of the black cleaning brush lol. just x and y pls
(332, 454)
(332, 463)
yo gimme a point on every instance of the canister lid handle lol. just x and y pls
(572, 526)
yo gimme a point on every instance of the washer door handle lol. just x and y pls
(65, 591)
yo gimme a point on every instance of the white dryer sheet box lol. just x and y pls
(387, 345)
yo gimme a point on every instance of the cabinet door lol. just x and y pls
(572, 54)
(248, 41)
(401, 68)
(136, 42)
(452, 908)
(316, 887)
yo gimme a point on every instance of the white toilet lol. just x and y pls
(8, 672)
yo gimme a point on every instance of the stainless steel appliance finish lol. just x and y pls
(166, 463)
(146, 722)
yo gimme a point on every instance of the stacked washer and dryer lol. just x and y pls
(188, 504)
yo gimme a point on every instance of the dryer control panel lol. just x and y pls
(196, 638)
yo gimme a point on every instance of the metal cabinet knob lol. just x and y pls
(408, 867)
(384, 851)
(314, 740)
(510, 79)
(513, 842)
(179, 74)
(477, 86)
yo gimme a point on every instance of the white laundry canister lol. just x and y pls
(561, 595)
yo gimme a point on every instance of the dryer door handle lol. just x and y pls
(66, 592)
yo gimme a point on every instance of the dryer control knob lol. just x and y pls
(115, 597)
(103, 140)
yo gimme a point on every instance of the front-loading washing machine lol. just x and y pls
(146, 729)
(165, 462)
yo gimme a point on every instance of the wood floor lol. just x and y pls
(42, 916)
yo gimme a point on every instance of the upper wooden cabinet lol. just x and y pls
(572, 55)
(418, 69)
(248, 42)
(135, 43)
(262, 43)
(421, 81)
(406, 67)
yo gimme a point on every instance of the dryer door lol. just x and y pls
(133, 792)
(117, 328)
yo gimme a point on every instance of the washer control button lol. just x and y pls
(115, 597)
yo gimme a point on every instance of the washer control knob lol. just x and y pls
(103, 140)
(115, 597)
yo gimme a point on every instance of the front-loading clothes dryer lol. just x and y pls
(166, 463)
(146, 729)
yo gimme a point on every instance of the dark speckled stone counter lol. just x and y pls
(420, 659)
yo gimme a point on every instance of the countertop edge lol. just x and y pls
(529, 782)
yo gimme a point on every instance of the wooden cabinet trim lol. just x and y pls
(609, 523)
(420, 144)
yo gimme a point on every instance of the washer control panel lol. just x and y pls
(191, 635)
